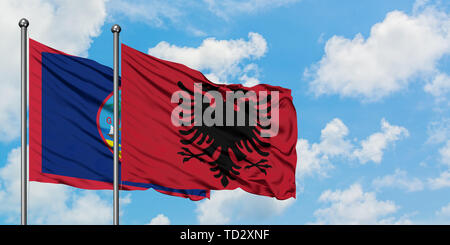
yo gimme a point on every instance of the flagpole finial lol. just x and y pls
(115, 28)
(24, 23)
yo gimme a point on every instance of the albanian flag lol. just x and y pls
(71, 123)
(182, 131)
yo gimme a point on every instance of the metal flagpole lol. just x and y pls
(23, 23)
(116, 30)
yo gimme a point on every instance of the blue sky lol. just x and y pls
(370, 82)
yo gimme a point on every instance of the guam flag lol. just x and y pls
(71, 126)
(182, 131)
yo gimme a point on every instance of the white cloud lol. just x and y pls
(399, 180)
(10, 183)
(232, 206)
(440, 182)
(220, 60)
(178, 13)
(87, 208)
(444, 211)
(151, 12)
(445, 153)
(250, 74)
(419, 5)
(249, 81)
(65, 25)
(443, 180)
(354, 206)
(332, 138)
(386, 61)
(315, 158)
(160, 219)
(439, 131)
(227, 8)
(372, 148)
(311, 160)
(52, 203)
(439, 86)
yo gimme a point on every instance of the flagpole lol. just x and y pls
(116, 30)
(23, 24)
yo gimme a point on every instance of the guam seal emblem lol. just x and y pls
(105, 122)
